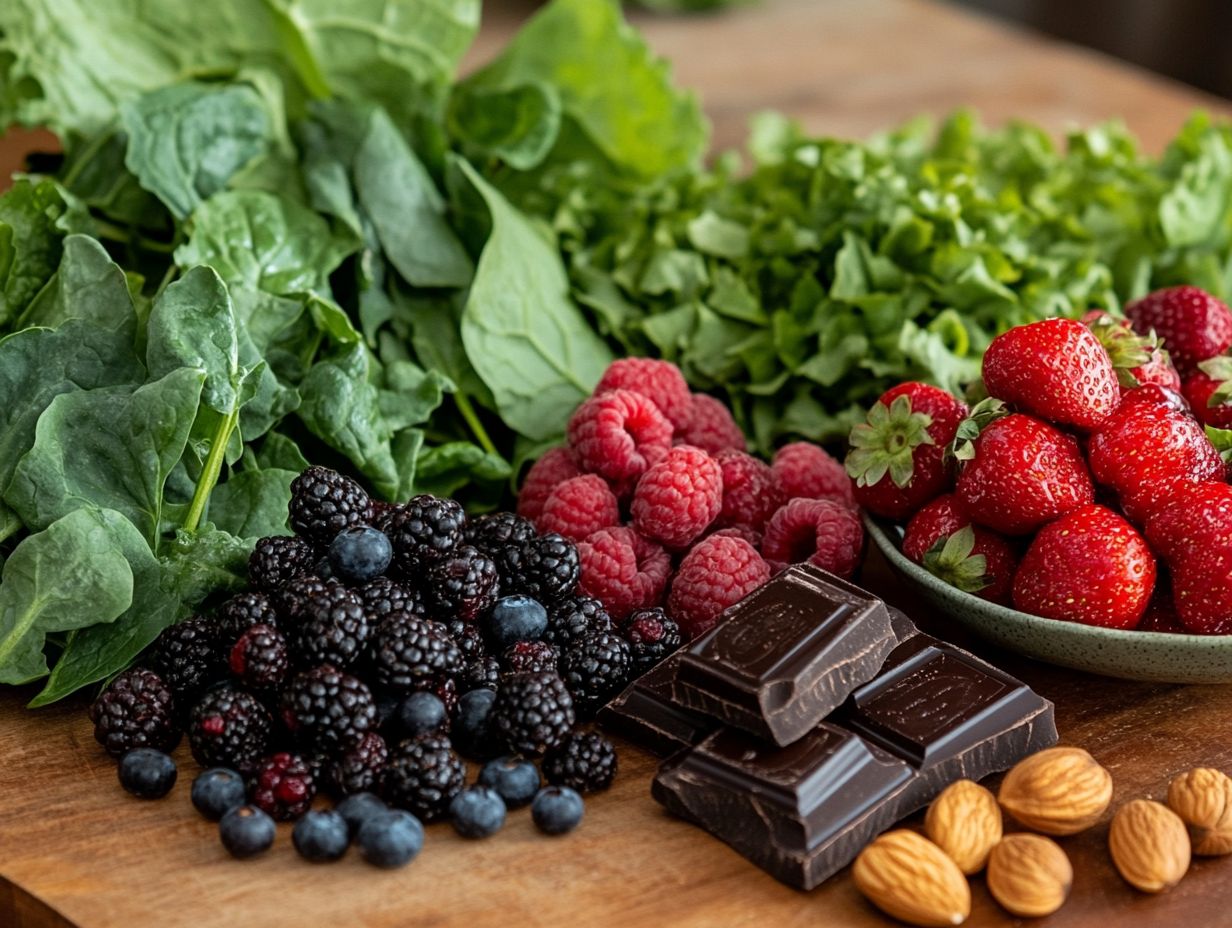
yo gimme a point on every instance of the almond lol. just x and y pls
(1060, 791)
(1149, 845)
(1029, 875)
(965, 822)
(1203, 799)
(911, 879)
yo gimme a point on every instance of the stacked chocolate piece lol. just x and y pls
(813, 717)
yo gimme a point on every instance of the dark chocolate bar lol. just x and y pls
(646, 714)
(803, 812)
(787, 655)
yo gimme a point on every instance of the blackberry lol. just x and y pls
(380, 512)
(327, 709)
(533, 712)
(463, 583)
(242, 612)
(595, 669)
(147, 774)
(384, 597)
(408, 653)
(496, 531)
(277, 560)
(359, 769)
(652, 636)
(334, 630)
(291, 602)
(575, 617)
(424, 530)
(586, 762)
(468, 638)
(229, 727)
(188, 657)
(423, 776)
(324, 502)
(259, 659)
(484, 673)
(530, 657)
(135, 711)
(545, 567)
(246, 831)
(283, 787)
(446, 690)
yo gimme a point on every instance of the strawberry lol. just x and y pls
(1137, 359)
(1193, 518)
(1202, 591)
(1208, 390)
(1089, 566)
(1147, 449)
(1193, 324)
(1160, 615)
(1021, 474)
(942, 539)
(897, 456)
(1055, 369)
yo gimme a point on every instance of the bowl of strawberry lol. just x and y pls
(1081, 512)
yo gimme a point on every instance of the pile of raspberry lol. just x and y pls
(668, 508)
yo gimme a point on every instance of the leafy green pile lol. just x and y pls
(276, 236)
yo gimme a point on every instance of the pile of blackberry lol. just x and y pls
(376, 648)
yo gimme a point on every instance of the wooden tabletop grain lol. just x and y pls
(75, 852)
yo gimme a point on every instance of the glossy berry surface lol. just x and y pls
(246, 831)
(472, 730)
(321, 836)
(217, 791)
(556, 810)
(391, 839)
(516, 780)
(421, 714)
(477, 812)
(515, 618)
(147, 774)
(359, 554)
(358, 808)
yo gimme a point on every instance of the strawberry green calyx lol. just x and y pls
(1219, 368)
(1127, 349)
(885, 443)
(982, 414)
(1222, 440)
(950, 560)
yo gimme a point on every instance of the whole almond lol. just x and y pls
(911, 879)
(1149, 845)
(1060, 791)
(965, 822)
(1029, 875)
(1203, 799)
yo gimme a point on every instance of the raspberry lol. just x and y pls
(259, 658)
(659, 381)
(711, 426)
(678, 498)
(324, 502)
(719, 572)
(283, 786)
(745, 532)
(278, 559)
(619, 434)
(555, 467)
(579, 507)
(135, 711)
(819, 531)
(652, 636)
(805, 471)
(623, 570)
(750, 494)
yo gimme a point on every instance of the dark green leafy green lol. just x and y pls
(29, 242)
(253, 503)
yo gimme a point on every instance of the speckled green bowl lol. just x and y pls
(1157, 657)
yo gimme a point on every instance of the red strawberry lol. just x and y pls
(1208, 390)
(1088, 566)
(1192, 519)
(978, 561)
(1055, 369)
(1193, 324)
(897, 456)
(1202, 591)
(1021, 474)
(1147, 449)
(1138, 359)
(1160, 616)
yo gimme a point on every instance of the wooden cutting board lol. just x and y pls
(76, 852)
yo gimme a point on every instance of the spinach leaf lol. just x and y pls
(89, 286)
(518, 125)
(111, 448)
(279, 452)
(204, 563)
(253, 503)
(29, 242)
(445, 469)
(523, 334)
(68, 576)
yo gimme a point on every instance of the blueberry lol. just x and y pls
(477, 812)
(391, 839)
(147, 774)
(514, 779)
(515, 618)
(422, 714)
(321, 835)
(358, 808)
(217, 791)
(556, 810)
(246, 831)
(360, 553)
(472, 732)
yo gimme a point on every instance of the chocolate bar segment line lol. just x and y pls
(784, 657)
(646, 714)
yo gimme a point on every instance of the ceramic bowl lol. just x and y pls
(1158, 657)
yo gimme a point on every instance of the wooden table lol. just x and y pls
(75, 852)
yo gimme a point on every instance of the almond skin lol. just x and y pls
(1029, 875)
(965, 822)
(911, 879)
(1203, 799)
(1149, 845)
(1060, 791)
